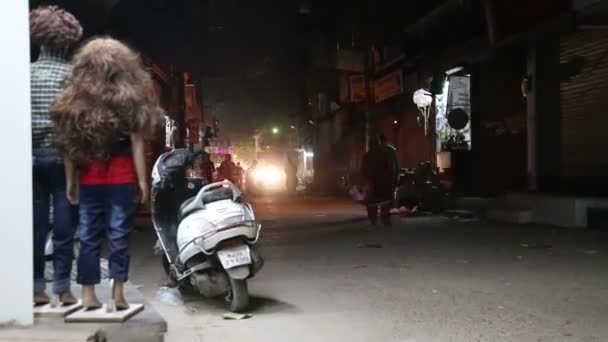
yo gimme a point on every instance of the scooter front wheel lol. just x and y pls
(238, 295)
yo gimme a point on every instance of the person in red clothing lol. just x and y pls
(105, 112)
(227, 169)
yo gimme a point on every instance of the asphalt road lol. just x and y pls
(330, 277)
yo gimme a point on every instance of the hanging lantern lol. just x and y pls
(423, 100)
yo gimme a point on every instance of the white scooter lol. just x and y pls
(207, 232)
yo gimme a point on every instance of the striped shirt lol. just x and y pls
(48, 74)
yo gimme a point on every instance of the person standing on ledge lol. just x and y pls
(55, 31)
(101, 120)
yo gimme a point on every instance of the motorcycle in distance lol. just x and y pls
(207, 232)
(419, 188)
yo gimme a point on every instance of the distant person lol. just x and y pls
(207, 168)
(380, 171)
(291, 173)
(227, 169)
(391, 152)
(250, 177)
(239, 175)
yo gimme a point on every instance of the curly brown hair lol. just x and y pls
(54, 28)
(109, 94)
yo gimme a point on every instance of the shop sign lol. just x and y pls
(514, 125)
(218, 150)
(357, 88)
(193, 112)
(388, 86)
(343, 84)
(459, 94)
(352, 61)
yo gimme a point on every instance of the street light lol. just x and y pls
(275, 130)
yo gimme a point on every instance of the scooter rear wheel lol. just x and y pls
(238, 295)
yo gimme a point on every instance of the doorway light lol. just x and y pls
(454, 70)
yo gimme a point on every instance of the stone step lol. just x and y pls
(147, 326)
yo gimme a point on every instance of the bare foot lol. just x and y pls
(67, 298)
(89, 298)
(41, 298)
(119, 296)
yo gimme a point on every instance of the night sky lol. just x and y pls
(246, 52)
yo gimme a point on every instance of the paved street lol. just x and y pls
(432, 279)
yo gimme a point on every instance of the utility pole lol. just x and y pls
(433, 132)
(256, 139)
(368, 74)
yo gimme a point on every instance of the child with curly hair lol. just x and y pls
(101, 120)
(55, 31)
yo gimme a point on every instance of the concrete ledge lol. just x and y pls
(147, 326)
(472, 203)
(518, 216)
(563, 211)
(523, 208)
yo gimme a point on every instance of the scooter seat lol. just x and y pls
(186, 208)
(190, 205)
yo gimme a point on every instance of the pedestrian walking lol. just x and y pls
(227, 169)
(380, 171)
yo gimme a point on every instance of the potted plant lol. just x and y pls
(454, 140)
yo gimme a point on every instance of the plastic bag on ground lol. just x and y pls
(169, 296)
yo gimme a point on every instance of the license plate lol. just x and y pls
(235, 257)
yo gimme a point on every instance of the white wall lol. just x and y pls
(16, 286)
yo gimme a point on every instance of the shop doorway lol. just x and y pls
(453, 129)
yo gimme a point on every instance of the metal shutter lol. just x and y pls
(584, 100)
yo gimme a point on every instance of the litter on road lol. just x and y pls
(370, 245)
(536, 246)
(236, 316)
(169, 296)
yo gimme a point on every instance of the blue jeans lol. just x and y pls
(105, 210)
(49, 186)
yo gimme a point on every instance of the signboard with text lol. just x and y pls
(459, 94)
(350, 60)
(388, 86)
(357, 88)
